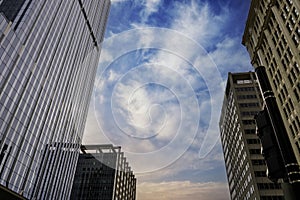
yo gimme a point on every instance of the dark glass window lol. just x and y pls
(10, 8)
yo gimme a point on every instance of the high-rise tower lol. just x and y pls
(103, 173)
(272, 38)
(49, 52)
(245, 165)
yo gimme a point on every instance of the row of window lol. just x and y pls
(294, 73)
(268, 186)
(252, 104)
(248, 122)
(272, 198)
(253, 141)
(249, 113)
(243, 89)
(254, 151)
(260, 174)
(288, 108)
(258, 162)
(295, 126)
(250, 131)
(248, 96)
(297, 92)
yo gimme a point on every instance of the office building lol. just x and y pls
(55, 176)
(272, 36)
(49, 52)
(103, 173)
(245, 165)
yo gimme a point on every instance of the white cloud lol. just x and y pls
(133, 102)
(105, 56)
(189, 163)
(93, 133)
(151, 6)
(182, 190)
(167, 108)
(229, 56)
(197, 21)
(168, 68)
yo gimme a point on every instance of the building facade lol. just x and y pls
(272, 37)
(49, 52)
(245, 165)
(103, 173)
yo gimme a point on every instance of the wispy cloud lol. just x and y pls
(154, 84)
(157, 97)
(151, 6)
(198, 22)
(127, 106)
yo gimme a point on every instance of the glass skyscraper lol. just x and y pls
(103, 173)
(49, 52)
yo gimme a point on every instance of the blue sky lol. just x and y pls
(159, 90)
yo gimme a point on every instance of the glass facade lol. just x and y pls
(10, 8)
(245, 165)
(103, 173)
(49, 54)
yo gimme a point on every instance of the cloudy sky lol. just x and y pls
(159, 90)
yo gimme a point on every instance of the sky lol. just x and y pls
(159, 90)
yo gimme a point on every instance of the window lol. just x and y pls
(258, 162)
(248, 113)
(297, 95)
(253, 141)
(295, 12)
(243, 105)
(254, 151)
(250, 131)
(244, 81)
(289, 27)
(283, 15)
(248, 96)
(268, 186)
(248, 122)
(242, 89)
(11, 8)
(260, 173)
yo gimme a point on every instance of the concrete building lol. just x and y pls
(49, 52)
(272, 37)
(245, 165)
(103, 173)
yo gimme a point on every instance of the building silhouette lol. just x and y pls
(49, 52)
(272, 36)
(103, 173)
(245, 165)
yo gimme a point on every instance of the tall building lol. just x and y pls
(49, 52)
(103, 173)
(245, 165)
(272, 37)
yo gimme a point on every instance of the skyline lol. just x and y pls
(155, 78)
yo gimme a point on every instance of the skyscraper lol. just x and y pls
(272, 38)
(103, 173)
(49, 52)
(245, 165)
